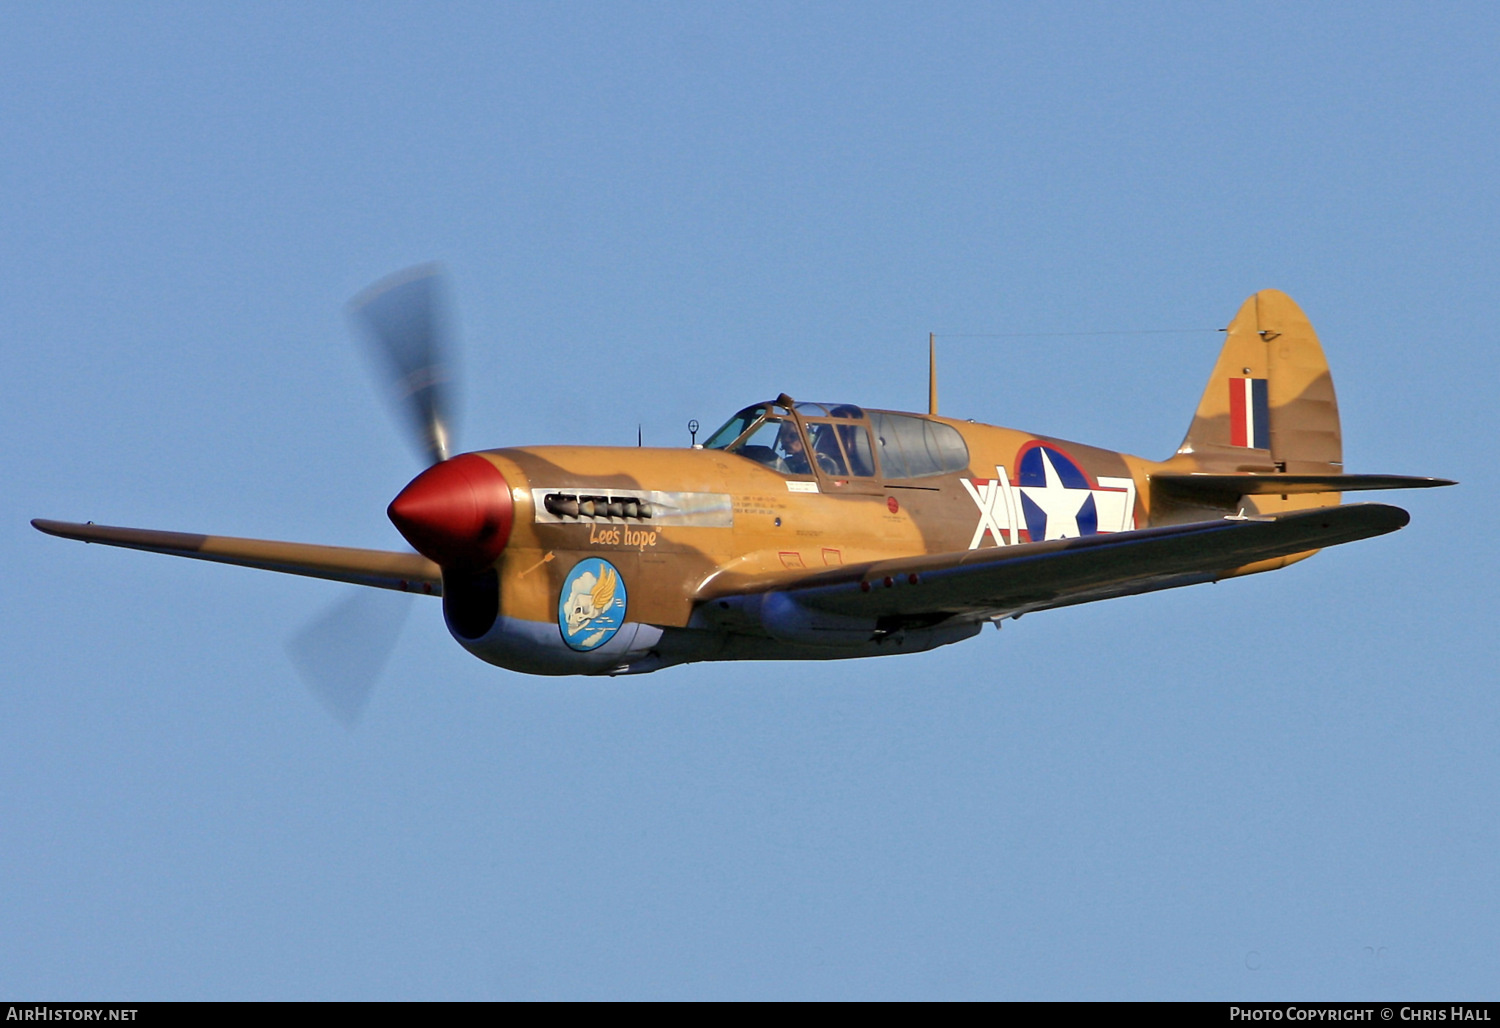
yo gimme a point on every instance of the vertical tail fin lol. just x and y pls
(1270, 403)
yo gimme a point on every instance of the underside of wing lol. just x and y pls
(919, 592)
(382, 569)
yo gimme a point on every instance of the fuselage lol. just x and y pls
(679, 527)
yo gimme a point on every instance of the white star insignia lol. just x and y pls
(1057, 502)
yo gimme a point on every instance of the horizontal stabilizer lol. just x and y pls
(406, 572)
(1225, 490)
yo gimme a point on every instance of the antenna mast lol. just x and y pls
(931, 372)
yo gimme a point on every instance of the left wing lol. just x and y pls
(406, 572)
(972, 585)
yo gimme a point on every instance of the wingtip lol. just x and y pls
(1382, 517)
(64, 529)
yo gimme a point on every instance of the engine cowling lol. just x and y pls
(460, 513)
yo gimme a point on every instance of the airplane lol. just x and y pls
(811, 530)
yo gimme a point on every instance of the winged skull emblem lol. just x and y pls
(592, 597)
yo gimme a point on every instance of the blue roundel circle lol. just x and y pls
(591, 606)
(1048, 471)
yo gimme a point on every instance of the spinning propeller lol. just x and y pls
(405, 325)
(457, 513)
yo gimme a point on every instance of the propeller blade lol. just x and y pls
(341, 653)
(403, 316)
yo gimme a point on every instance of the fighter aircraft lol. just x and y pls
(814, 530)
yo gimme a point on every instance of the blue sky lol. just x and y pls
(1278, 787)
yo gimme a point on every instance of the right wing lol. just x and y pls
(406, 572)
(973, 585)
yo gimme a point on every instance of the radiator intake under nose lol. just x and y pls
(471, 602)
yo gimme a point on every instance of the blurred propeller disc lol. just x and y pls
(403, 316)
(341, 653)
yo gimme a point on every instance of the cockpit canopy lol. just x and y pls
(838, 438)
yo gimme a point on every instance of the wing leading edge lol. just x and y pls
(382, 569)
(974, 585)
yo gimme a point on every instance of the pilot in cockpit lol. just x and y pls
(790, 452)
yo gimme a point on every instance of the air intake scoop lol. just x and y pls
(457, 513)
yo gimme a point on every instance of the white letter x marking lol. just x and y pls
(997, 509)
